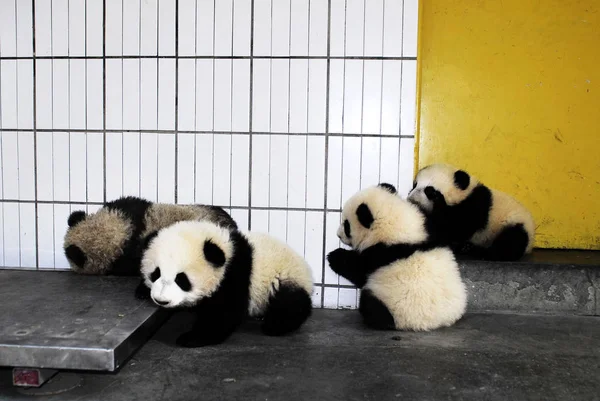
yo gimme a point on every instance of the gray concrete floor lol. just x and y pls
(484, 357)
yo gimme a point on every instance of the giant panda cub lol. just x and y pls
(406, 281)
(224, 276)
(110, 240)
(474, 219)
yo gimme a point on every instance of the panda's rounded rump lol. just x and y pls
(422, 292)
(274, 264)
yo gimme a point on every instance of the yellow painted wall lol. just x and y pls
(510, 90)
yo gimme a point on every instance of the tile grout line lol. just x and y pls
(176, 98)
(326, 166)
(133, 57)
(17, 114)
(104, 101)
(66, 202)
(205, 132)
(35, 175)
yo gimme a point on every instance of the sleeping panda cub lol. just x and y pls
(406, 281)
(471, 217)
(223, 276)
(110, 240)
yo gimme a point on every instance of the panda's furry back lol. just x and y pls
(162, 215)
(274, 263)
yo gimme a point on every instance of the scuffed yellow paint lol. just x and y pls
(510, 90)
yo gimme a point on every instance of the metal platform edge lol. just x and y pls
(138, 337)
(109, 355)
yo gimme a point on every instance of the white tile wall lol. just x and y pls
(276, 110)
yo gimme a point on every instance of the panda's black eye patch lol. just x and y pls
(183, 282)
(347, 229)
(430, 192)
(155, 275)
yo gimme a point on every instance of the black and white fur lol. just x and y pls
(407, 282)
(109, 240)
(225, 276)
(472, 218)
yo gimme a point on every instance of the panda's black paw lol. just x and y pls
(339, 259)
(142, 291)
(469, 250)
(464, 248)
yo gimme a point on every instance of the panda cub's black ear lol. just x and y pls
(76, 217)
(462, 179)
(213, 254)
(149, 239)
(389, 187)
(365, 217)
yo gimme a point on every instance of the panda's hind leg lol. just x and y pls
(375, 314)
(288, 309)
(510, 244)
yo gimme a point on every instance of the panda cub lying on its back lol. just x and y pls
(407, 282)
(471, 217)
(110, 240)
(224, 276)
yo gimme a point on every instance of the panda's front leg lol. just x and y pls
(142, 291)
(202, 335)
(347, 263)
(212, 326)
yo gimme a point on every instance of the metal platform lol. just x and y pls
(62, 320)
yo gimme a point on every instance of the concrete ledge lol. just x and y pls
(547, 281)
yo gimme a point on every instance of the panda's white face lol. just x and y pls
(169, 291)
(440, 185)
(377, 214)
(356, 218)
(186, 262)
